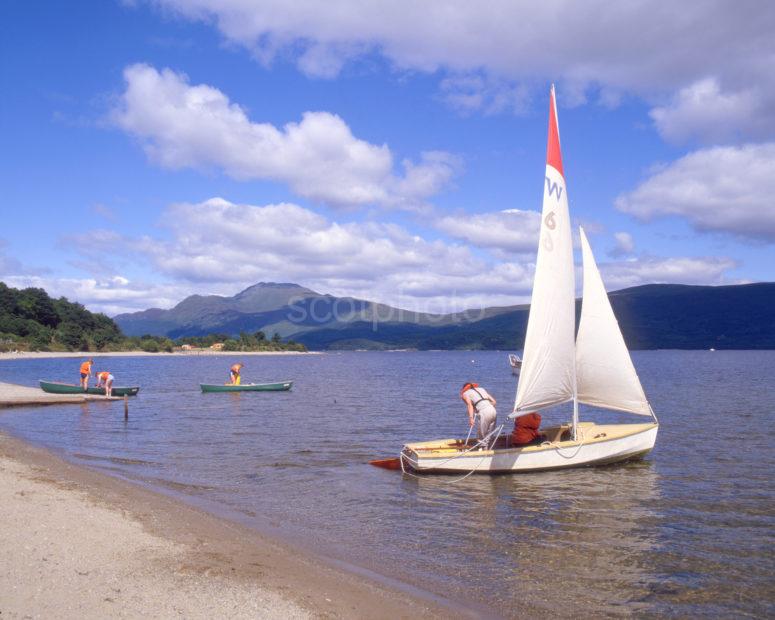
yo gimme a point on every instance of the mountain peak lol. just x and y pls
(266, 296)
(275, 286)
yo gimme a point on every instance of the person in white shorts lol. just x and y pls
(105, 379)
(479, 401)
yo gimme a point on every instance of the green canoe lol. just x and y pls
(282, 386)
(52, 387)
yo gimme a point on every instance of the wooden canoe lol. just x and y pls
(280, 386)
(53, 387)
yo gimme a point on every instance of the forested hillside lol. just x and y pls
(29, 318)
(654, 316)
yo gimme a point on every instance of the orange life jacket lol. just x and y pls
(103, 375)
(468, 386)
(526, 429)
(86, 368)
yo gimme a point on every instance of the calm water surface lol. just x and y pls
(686, 532)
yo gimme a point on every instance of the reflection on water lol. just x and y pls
(687, 532)
(556, 541)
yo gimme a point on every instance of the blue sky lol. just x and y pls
(390, 151)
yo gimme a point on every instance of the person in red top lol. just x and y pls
(85, 372)
(526, 429)
(105, 379)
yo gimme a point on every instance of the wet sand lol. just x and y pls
(79, 544)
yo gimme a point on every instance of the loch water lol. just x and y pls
(689, 531)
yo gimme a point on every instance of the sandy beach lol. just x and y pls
(79, 544)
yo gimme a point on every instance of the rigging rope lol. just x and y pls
(558, 448)
(482, 442)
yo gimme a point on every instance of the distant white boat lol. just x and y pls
(595, 368)
(515, 363)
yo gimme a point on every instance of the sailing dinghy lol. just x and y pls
(593, 368)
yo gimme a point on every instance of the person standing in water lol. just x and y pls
(479, 402)
(105, 379)
(85, 372)
(234, 373)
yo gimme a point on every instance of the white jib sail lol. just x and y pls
(548, 375)
(604, 372)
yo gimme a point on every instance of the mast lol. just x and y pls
(574, 430)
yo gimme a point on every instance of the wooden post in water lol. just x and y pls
(126, 407)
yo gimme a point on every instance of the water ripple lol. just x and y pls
(687, 532)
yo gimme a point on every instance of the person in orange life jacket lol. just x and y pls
(105, 379)
(234, 374)
(85, 372)
(479, 401)
(526, 430)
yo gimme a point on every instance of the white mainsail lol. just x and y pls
(605, 374)
(548, 375)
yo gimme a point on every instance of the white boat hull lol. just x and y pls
(597, 445)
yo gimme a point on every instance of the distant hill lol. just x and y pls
(288, 309)
(674, 316)
(655, 316)
(253, 309)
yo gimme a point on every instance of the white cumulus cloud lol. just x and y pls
(625, 245)
(598, 48)
(196, 126)
(511, 230)
(219, 244)
(111, 294)
(703, 110)
(659, 270)
(219, 247)
(721, 189)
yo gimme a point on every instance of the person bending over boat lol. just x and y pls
(85, 372)
(234, 374)
(105, 379)
(479, 402)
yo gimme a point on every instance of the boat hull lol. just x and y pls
(598, 445)
(52, 387)
(280, 386)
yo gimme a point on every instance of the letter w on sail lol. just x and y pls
(553, 188)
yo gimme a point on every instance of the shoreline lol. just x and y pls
(29, 355)
(14, 395)
(179, 545)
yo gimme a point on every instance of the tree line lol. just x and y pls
(31, 320)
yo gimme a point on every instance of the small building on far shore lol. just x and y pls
(217, 346)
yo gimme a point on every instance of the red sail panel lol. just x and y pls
(553, 153)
